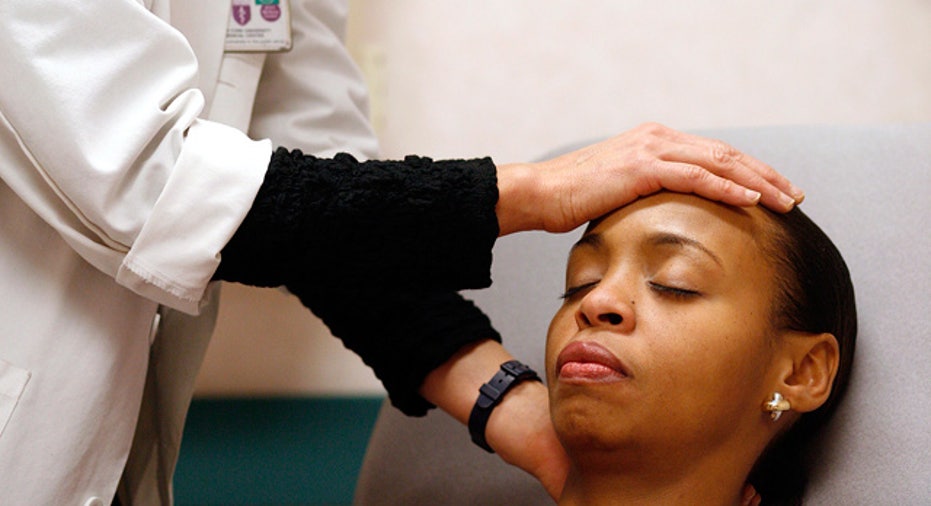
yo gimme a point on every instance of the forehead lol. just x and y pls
(723, 230)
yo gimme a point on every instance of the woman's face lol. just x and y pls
(664, 338)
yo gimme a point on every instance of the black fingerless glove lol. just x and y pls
(377, 250)
(411, 223)
(401, 335)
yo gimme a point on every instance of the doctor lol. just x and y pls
(126, 171)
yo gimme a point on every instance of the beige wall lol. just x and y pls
(514, 79)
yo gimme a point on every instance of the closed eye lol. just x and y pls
(575, 290)
(674, 292)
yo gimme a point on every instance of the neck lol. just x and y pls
(713, 480)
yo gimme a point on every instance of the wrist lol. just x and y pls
(516, 198)
(525, 405)
(453, 385)
(510, 376)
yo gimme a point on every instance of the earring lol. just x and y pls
(776, 406)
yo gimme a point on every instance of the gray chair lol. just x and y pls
(869, 188)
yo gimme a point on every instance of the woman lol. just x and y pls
(699, 347)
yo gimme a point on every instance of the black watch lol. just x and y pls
(490, 394)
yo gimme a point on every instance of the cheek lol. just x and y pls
(710, 349)
(560, 331)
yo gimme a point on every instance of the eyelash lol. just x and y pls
(575, 290)
(671, 291)
(663, 290)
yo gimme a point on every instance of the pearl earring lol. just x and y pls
(776, 406)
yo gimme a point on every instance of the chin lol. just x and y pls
(581, 423)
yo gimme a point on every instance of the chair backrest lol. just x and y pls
(869, 188)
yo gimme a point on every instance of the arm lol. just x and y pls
(427, 223)
(394, 224)
(377, 250)
(100, 137)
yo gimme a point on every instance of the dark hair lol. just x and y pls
(815, 295)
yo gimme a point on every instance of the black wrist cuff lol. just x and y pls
(412, 223)
(490, 394)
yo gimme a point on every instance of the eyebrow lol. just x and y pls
(593, 240)
(668, 238)
(596, 241)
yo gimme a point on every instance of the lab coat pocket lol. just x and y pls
(12, 384)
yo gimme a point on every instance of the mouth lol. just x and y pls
(587, 361)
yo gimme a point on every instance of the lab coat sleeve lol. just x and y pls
(101, 100)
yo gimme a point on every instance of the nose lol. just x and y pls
(606, 306)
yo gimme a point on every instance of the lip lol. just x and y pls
(589, 361)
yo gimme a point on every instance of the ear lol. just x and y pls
(810, 364)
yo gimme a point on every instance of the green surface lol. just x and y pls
(285, 451)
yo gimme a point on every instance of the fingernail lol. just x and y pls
(798, 195)
(787, 201)
(752, 195)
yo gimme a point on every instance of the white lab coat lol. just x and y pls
(125, 170)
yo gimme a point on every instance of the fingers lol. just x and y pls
(687, 178)
(723, 160)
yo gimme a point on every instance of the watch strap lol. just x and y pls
(510, 374)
